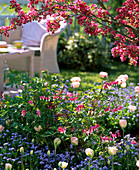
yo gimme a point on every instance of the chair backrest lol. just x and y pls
(7, 14)
(13, 35)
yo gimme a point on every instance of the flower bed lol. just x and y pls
(53, 125)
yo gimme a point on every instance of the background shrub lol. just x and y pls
(82, 52)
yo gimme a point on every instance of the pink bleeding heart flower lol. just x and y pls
(38, 113)
(23, 113)
(30, 102)
(61, 130)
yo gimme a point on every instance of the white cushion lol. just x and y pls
(32, 33)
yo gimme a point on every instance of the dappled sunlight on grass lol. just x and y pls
(88, 78)
(115, 70)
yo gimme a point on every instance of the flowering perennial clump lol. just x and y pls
(69, 129)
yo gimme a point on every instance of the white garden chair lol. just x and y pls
(47, 50)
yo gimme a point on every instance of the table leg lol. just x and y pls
(41, 66)
(32, 66)
(1, 76)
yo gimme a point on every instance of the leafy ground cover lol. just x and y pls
(54, 124)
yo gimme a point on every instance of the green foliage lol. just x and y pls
(78, 110)
(115, 4)
(82, 52)
(47, 110)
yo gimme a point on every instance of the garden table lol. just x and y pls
(11, 53)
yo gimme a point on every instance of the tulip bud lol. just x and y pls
(31, 152)
(109, 162)
(57, 142)
(128, 147)
(48, 152)
(137, 163)
(22, 150)
(125, 151)
(74, 141)
(1, 128)
(8, 166)
(89, 152)
(38, 128)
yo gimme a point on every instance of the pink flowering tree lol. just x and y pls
(97, 19)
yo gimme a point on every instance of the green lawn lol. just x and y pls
(115, 70)
(88, 78)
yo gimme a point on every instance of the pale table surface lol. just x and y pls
(13, 54)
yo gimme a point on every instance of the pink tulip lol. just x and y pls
(132, 108)
(123, 76)
(122, 80)
(137, 163)
(74, 141)
(123, 123)
(103, 74)
(137, 89)
(75, 84)
(75, 79)
(1, 128)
